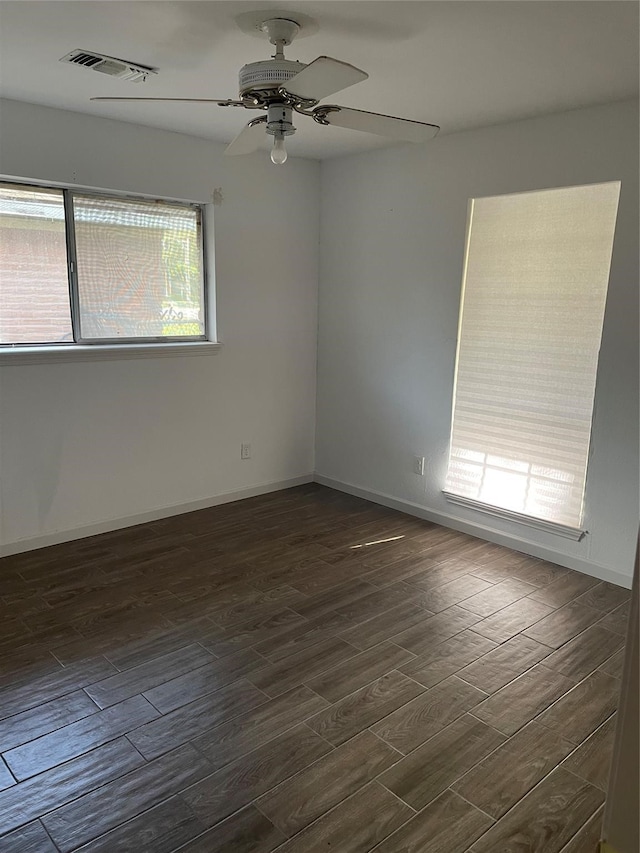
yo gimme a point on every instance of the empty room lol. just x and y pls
(319, 462)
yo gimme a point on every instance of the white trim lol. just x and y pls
(490, 534)
(57, 537)
(102, 352)
(518, 517)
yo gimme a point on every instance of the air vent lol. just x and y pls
(120, 68)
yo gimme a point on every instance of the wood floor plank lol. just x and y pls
(155, 644)
(509, 621)
(423, 637)
(439, 574)
(427, 714)
(617, 620)
(254, 631)
(302, 666)
(28, 800)
(447, 825)
(504, 663)
(375, 603)
(447, 658)
(497, 596)
(302, 799)
(587, 838)
(6, 779)
(29, 694)
(240, 782)
(247, 831)
(281, 570)
(339, 596)
(319, 578)
(370, 815)
(579, 713)
(366, 706)
(545, 819)
(99, 811)
(454, 592)
(205, 679)
(410, 565)
(615, 664)
(112, 636)
(565, 589)
(27, 662)
(592, 759)
(358, 670)
(161, 829)
(45, 718)
(604, 596)
(304, 635)
(521, 700)
(28, 839)
(216, 601)
(428, 771)
(263, 604)
(563, 625)
(114, 689)
(380, 628)
(538, 572)
(73, 740)
(191, 720)
(498, 782)
(580, 656)
(243, 733)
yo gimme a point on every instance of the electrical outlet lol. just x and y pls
(418, 465)
(245, 450)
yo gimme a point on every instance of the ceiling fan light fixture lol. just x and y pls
(279, 125)
(278, 152)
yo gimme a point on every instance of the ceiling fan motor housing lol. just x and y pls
(279, 120)
(267, 75)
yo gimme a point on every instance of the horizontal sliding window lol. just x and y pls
(534, 291)
(86, 268)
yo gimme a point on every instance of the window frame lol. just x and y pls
(95, 349)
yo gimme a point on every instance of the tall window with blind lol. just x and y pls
(532, 309)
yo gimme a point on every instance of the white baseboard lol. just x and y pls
(482, 531)
(59, 536)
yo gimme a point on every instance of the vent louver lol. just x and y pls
(120, 68)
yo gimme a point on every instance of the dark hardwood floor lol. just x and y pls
(303, 672)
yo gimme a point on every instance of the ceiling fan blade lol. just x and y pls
(249, 138)
(223, 102)
(323, 77)
(395, 128)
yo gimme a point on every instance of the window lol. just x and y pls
(83, 268)
(533, 298)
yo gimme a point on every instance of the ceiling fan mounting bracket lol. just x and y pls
(281, 31)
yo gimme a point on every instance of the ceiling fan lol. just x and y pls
(281, 87)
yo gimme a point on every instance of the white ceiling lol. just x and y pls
(457, 64)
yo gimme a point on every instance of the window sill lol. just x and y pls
(103, 352)
(528, 520)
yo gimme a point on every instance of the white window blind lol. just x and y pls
(34, 288)
(139, 270)
(533, 298)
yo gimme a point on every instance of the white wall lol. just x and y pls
(85, 445)
(392, 236)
